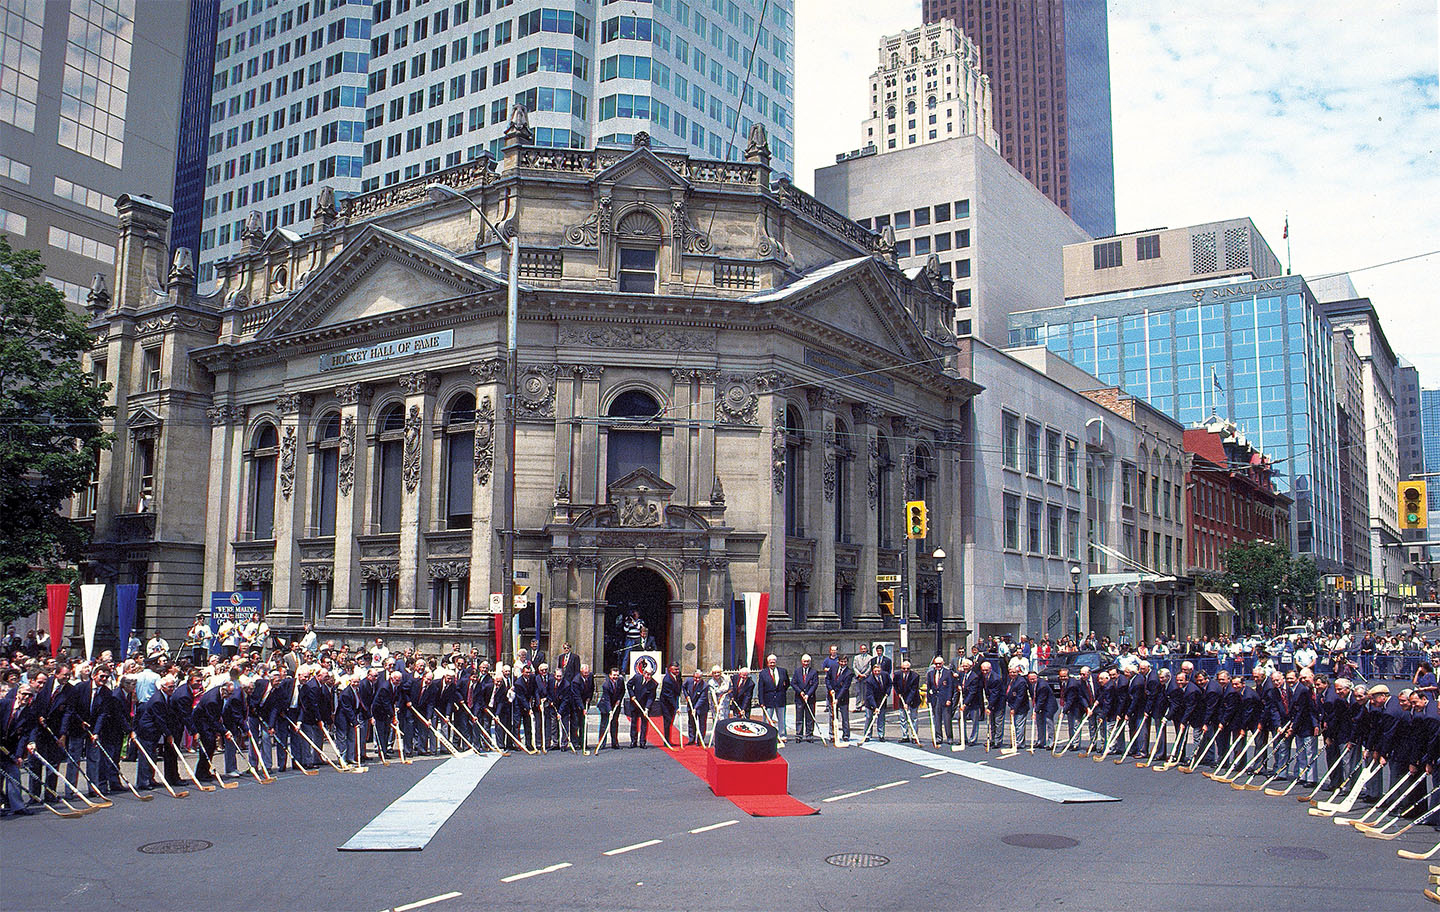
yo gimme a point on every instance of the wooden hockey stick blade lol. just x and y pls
(1431, 895)
(1420, 856)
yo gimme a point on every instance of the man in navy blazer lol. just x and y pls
(839, 685)
(774, 687)
(875, 694)
(805, 682)
(940, 695)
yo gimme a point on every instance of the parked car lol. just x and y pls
(1095, 661)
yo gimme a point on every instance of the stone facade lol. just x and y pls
(722, 386)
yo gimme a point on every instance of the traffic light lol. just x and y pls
(1412, 505)
(917, 521)
(887, 601)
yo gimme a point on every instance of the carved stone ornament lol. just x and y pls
(872, 474)
(687, 236)
(777, 459)
(717, 492)
(221, 415)
(562, 490)
(449, 569)
(829, 475)
(317, 573)
(737, 402)
(766, 245)
(410, 461)
(287, 462)
(639, 509)
(536, 397)
(290, 403)
(347, 455)
(597, 224)
(381, 572)
(417, 382)
(489, 370)
(254, 574)
(637, 338)
(352, 393)
(758, 147)
(484, 441)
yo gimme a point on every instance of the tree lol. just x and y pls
(1260, 568)
(50, 432)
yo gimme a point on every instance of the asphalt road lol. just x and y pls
(1174, 841)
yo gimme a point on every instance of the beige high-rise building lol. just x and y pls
(928, 87)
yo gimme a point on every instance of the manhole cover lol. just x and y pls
(175, 847)
(857, 860)
(1039, 841)
(1296, 853)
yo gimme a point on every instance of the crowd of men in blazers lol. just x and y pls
(66, 729)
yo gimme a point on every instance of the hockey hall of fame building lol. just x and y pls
(723, 387)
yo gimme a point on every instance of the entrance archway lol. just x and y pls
(643, 591)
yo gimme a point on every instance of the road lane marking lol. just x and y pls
(425, 902)
(934, 774)
(535, 873)
(890, 785)
(714, 826)
(1009, 779)
(844, 796)
(413, 819)
(630, 848)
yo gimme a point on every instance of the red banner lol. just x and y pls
(57, 599)
(499, 637)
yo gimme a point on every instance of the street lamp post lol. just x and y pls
(939, 555)
(1234, 597)
(436, 193)
(1075, 587)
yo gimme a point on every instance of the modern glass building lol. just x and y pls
(365, 94)
(1255, 351)
(1430, 435)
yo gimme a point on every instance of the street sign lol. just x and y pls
(497, 603)
(522, 602)
(904, 635)
(887, 577)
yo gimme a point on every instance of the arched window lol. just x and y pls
(894, 59)
(327, 473)
(932, 102)
(914, 54)
(890, 516)
(794, 473)
(633, 439)
(264, 450)
(638, 234)
(890, 112)
(459, 461)
(389, 445)
(910, 108)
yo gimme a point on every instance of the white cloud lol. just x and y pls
(1324, 109)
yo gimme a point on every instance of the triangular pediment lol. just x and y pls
(855, 298)
(642, 169)
(641, 480)
(378, 273)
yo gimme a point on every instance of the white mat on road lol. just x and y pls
(1019, 782)
(415, 817)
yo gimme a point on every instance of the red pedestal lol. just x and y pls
(727, 777)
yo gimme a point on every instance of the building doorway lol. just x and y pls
(644, 592)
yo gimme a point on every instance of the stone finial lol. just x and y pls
(641, 140)
(518, 133)
(758, 150)
(717, 492)
(932, 269)
(326, 211)
(182, 266)
(98, 300)
(253, 234)
(885, 249)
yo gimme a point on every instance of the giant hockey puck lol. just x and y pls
(746, 741)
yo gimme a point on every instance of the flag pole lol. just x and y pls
(1286, 236)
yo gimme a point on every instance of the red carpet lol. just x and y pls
(698, 761)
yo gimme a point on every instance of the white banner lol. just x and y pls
(91, 595)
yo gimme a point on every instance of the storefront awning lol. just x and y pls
(1099, 581)
(1214, 601)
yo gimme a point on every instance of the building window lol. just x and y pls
(1032, 448)
(1147, 247)
(144, 475)
(264, 451)
(152, 368)
(1107, 255)
(1072, 462)
(1054, 537)
(842, 483)
(633, 439)
(378, 600)
(459, 461)
(390, 447)
(449, 599)
(794, 473)
(1126, 483)
(318, 596)
(327, 473)
(637, 269)
(890, 517)
(1033, 544)
(1012, 522)
(1052, 456)
(1072, 523)
(1010, 440)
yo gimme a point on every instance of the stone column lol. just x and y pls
(290, 484)
(771, 567)
(412, 606)
(951, 533)
(822, 463)
(680, 467)
(351, 490)
(867, 477)
(485, 510)
(224, 490)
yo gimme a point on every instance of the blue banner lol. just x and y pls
(125, 597)
(240, 607)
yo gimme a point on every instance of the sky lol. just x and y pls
(1322, 110)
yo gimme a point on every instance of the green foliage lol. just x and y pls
(1264, 571)
(50, 432)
